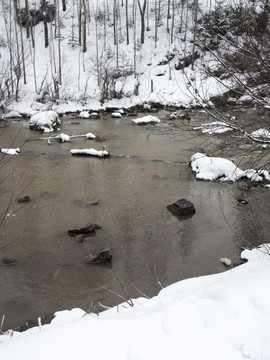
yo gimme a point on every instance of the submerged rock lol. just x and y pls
(100, 256)
(24, 199)
(182, 207)
(84, 230)
(8, 261)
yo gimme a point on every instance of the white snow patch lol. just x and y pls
(10, 151)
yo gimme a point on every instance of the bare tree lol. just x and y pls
(142, 9)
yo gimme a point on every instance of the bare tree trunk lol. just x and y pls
(134, 37)
(27, 19)
(84, 49)
(127, 28)
(142, 13)
(172, 24)
(168, 15)
(79, 5)
(59, 47)
(194, 32)
(64, 6)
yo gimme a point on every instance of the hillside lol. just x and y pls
(128, 52)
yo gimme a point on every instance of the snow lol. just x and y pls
(84, 114)
(116, 114)
(212, 168)
(215, 127)
(222, 316)
(261, 133)
(10, 151)
(46, 121)
(90, 152)
(90, 136)
(63, 137)
(146, 120)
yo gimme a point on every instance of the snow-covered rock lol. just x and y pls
(148, 119)
(84, 114)
(116, 114)
(90, 136)
(10, 151)
(211, 168)
(261, 133)
(46, 121)
(63, 137)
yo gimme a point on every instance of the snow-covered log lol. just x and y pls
(90, 152)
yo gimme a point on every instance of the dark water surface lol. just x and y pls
(147, 171)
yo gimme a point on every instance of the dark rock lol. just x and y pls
(24, 199)
(182, 207)
(132, 114)
(100, 256)
(8, 261)
(84, 230)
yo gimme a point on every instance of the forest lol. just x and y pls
(80, 50)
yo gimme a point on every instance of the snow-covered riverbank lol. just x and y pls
(222, 316)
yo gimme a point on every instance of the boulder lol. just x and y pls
(182, 207)
(100, 256)
(84, 230)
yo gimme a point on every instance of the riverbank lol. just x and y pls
(226, 314)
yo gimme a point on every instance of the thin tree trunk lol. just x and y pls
(142, 13)
(127, 27)
(194, 32)
(84, 49)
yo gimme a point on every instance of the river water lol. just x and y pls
(148, 170)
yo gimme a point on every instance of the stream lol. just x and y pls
(148, 170)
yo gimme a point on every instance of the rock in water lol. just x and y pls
(100, 256)
(182, 207)
(84, 230)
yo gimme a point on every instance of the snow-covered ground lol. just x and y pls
(223, 316)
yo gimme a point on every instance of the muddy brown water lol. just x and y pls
(147, 171)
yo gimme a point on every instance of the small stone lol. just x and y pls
(24, 199)
(182, 207)
(100, 256)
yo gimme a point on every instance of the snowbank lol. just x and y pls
(46, 121)
(148, 119)
(223, 316)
